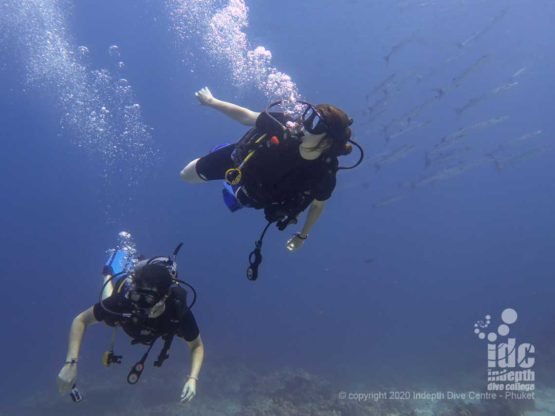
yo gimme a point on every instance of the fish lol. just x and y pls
(501, 164)
(397, 47)
(406, 130)
(475, 100)
(446, 142)
(519, 72)
(488, 123)
(439, 176)
(376, 108)
(447, 173)
(526, 136)
(401, 123)
(505, 87)
(478, 34)
(382, 85)
(455, 137)
(419, 108)
(393, 156)
(388, 201)
(458, 80)
(471, 103)
(442, 157)
(503, 148)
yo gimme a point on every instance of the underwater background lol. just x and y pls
(448, 219)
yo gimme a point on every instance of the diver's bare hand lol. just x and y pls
(204, 96)
(296, 242)
(67, 377)
(189, 390)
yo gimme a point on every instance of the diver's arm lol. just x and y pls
(68, 373)
(314, 212)
(197, 356)
(241, 114)
(78, 327)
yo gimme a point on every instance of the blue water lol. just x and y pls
(377, 293)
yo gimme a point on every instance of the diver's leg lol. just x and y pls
(189, 173)
(211, 167)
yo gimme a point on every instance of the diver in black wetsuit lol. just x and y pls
(147, 305)
(293, 164)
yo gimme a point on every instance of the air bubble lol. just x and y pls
(83, 50)
(113, 50)
(221, 32)
(93, 105)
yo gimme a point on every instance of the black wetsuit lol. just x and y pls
(275, 174)
(176, 319)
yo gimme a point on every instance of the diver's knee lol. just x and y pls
(189, 173)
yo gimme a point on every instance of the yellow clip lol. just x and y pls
(233, 176)
(106, 358)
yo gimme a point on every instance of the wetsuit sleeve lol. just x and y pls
(99, 312)
(112, 303)
(188, 328)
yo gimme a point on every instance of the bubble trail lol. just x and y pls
(222, 33)
(96, 109)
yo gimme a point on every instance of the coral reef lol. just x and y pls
(233, 389)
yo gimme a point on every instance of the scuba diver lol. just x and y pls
(283, 164)
(146, 299)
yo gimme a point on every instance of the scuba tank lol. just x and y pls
(120, 261)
